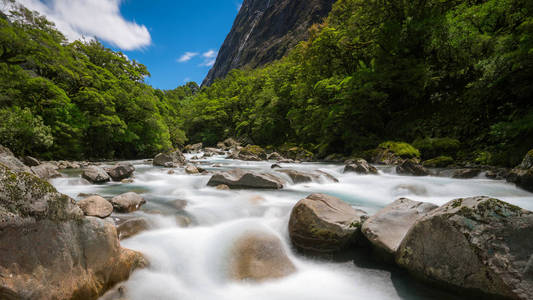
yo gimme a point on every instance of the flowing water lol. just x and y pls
(191, 262)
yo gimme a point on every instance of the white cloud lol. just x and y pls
(92, 18)
(210, 58)
(210, 54)
(187, 56)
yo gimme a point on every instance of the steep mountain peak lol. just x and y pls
(265, 30)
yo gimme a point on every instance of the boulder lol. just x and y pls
(121, 171)
(30, 161)
(131, 227)
(213, 151)
(386, 157)
(275, 166)
(466, 173)
(297, 153)
(438, 162)
(522, 175)
(259, 256)
(275, 156)
(323, 223)
(169, 159)
(252, 151)
(96, 206)
(411, 167)
(195, 148)
(46, 171)
(223, 187)
(4, 151)
(241, 179)
(13, 163)
(228, 144)
(478, 245)
(95, 174)
(50, 250)
(299, 176)
(127, 202)
(190, 169)
(359, 166)
(386, 229)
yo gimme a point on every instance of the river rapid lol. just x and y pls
(190, 262)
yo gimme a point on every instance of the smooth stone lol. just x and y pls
(95, 174)
(127, 202)
(360, 166)
(241, 179)
(46, 171)
(96, 206)
(121, 171)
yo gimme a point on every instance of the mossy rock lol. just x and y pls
(438, 162)
(401, 149)
(254, 150)
(296, 152)
(433, 147)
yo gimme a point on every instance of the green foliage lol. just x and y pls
(438, 162)
(22, 132)
(433, 147)
(90, 99)
(401, 149)
(388, 70)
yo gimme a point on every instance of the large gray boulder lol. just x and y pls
(49, 250)
(127, 202)
(169, 159)
(96, 206)
(9, 160)
(478, 245)
(411, 167)
(46, 171)
(195, 148)
(259, 256)
(522, 175)
(359, 166)
(121, 171)
(323, 223)
(297, 176)
(386, 229)
(241, 179)
(95, 174)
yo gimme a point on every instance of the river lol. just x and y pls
(190, 262)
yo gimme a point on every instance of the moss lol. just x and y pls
(401, 149)
(483, 157)
(433, 147)
(530, 153)
(457, 202)
(438, 162)
(252, 150)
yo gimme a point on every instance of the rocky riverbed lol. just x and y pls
(202, 226)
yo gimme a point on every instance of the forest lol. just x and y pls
(421, 72)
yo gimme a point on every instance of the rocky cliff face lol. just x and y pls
(265, 30)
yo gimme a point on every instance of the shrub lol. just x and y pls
(433, 147)
(401, 149)
(438, 162)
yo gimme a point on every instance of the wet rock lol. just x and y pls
(438, 162)
(96, 206)
(411, 167)
(522, 175)
(386, 229)
(228, 144)
(131, 227)
(466, 173)
(50, 250)
(127, 180)
(95, 174)
(386, 157)
(30, 161)
(274, 166)
(190, 169)
(258, 256)
(222, 187)
(213, 151)
(121, 171)
(323, 223)
(117, 293)
(414, 189)
(241, 179)
(480, 245)
(327, 176)
(46, 171)
(179, 204)
(359, 166)
(252, 153)
(299, 176)
(275, 156)
(297, 153)
(195, 148)
(127, 202)
(169, 159)
(171, 172)
(497, 174)
(9, 160)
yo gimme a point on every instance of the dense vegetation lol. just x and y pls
(79, 100)
(428, 72)
(453, 78)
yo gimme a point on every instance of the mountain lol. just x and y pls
(265, 30)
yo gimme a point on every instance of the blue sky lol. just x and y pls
(176, 39)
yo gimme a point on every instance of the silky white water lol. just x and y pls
(191, 262)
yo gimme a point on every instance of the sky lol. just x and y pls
(177, 40)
